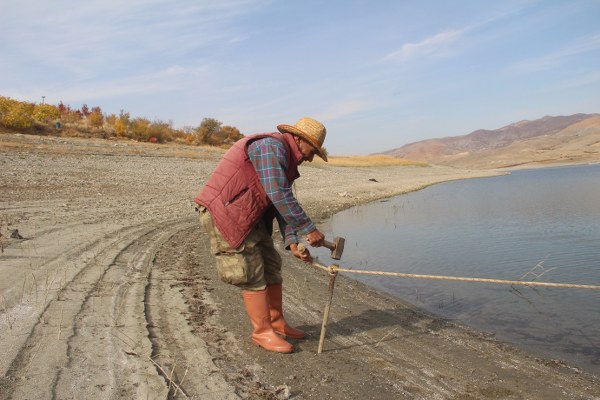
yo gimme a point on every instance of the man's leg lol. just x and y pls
(257, 307)
(244, 267)
(272, 267)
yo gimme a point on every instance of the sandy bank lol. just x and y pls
(112, 293)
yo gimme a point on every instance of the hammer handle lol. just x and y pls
(329, 245)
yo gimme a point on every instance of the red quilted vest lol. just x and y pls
(234, 195)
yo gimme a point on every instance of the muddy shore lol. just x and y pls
(111, 292)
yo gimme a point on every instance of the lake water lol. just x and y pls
(539, 224)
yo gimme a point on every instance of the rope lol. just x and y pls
(335, 268)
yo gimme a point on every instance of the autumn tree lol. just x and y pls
(209, 127)
(45, 113)
(160, 130)
(96, 118)
(69, 115)
(189, 134)
(111, 119)
(16, 114)
(231, 134)
(138, 129)
(26, 115)
(122, 124)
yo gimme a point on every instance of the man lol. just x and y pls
(250, 187)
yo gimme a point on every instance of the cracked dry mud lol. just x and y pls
(112, 293)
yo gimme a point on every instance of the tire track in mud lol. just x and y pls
(188, 305)
(38, 296)
(146, 315)
(180, 351)
(91, 339)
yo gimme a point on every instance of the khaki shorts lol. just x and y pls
(251, 266)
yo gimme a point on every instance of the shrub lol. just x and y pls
(207, 131)
(111, 119)
(87, 122)
(45, 113)
(230, 134)
(161, 131)
(96, 118)
(122, 124)
(15, 114)
(138, 129)
(68, 115)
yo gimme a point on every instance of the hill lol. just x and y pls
(548, 140)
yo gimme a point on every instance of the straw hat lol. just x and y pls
(310, 130)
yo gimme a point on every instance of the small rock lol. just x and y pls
(282, 392)
(15, 234)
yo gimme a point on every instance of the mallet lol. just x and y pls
(337, 247)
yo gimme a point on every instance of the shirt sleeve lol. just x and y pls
(269, 158)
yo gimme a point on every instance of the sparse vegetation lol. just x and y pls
(62, 120)
(213, 133)
(370, 161)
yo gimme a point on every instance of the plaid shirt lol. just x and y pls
(269, 157)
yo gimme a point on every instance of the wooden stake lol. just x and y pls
(332, 275)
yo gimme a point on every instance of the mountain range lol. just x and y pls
(569, 139)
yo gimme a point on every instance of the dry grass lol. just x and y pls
(60, 145)
(63, 145)
(169, 377)
(370, 161)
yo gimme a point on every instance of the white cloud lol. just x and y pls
(80, 38)
(445, 43)
(434, 45)
(173, 78)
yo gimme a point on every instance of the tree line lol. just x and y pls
(63, 120)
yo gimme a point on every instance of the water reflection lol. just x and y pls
(543, 222)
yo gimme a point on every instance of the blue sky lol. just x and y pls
(378, 74)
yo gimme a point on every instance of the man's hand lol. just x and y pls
(301, 252)
(315, 238)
